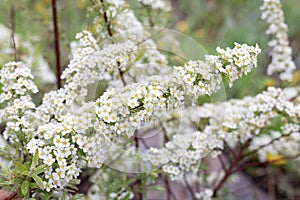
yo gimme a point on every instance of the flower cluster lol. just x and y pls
(128, 28)
(233, 121)
(281, 53)
(205, 77)
(16, 81)
(121, 111)
(124, 110)
(157, 4)
(278, 144)
(116, 113)
(89, 63)
(56, 145)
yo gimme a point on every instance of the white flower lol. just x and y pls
(49, 160)
(281, 53)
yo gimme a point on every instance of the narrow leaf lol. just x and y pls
(33, 185)
(38, 181)
(25, 187)
(40, 169)
(35, 159)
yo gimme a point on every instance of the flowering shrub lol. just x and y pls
(69, 140)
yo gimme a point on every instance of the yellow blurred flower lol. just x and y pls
(42, 8)
(276, 160)
(269, 83)
(182, 26)
(81, 4)
(296, 77)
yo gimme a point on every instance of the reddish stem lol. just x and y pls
(56, 44)
(230, 171)
(106, 21)
(12, 28)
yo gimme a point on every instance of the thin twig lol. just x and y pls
(166, 139)
(12, 28)
(168, 189)
(190, 189)
(150, 37)
(145, 143)
(229, 148)
(258, 163)
(106, 21)
(222, 163)
(11, 196)
(230, 170)
(151, 22)
(121, 74)
(271, 185)
(56, 44)
(138, 194)
(264, 145)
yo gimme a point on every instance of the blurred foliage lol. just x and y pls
(221, 23)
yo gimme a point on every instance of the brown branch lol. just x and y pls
(109, 31)
(150, 37)
(12, 28)
(232, 164)
(271, 185)
(145, 143)
(168, 189)
(229, 149)
(258, 163)
(137, 183)
(264, 145)
(106, 21)
(166, 139)
(151, 22)
(121, 74)
(56, 44)
(190, 189)
(8, 195)
(222, 163)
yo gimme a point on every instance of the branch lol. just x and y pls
(222, 163)
(264, 145)
(12, 28)
(229, 149)
(56, 44)
(106, 21)
(230, 170)
(168, 189)
(8, 195)
(190, 189)
(258, 163)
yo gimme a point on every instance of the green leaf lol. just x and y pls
(40, 169)
(20, 168)
(156, 187)
(46, 196)
(19, 192)
(25, 187)
(3, 168)
(74, 181)
(35, 159)
(33, 185)
(38, 181)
